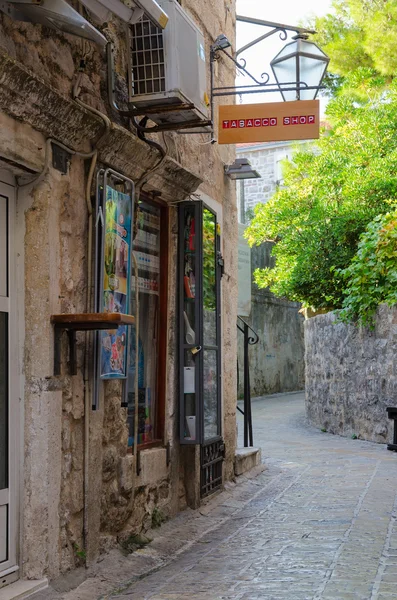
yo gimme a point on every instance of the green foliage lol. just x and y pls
(372, 275)
(158, 518)
(332, 224)
(332, 192)
(80, 552)
(359, 35)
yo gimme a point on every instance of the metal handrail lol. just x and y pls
(249, 340)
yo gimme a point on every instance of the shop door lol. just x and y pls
(8, 399)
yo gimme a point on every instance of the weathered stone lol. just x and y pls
(351, 376)
(126, 473)
(154, 466)
(76, 482)
(109, 463)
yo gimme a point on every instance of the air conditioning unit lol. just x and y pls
(168, 70)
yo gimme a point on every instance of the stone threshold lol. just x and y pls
(23, 588)
(246, 459)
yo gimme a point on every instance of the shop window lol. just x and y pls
(147, 358)
(199, 324)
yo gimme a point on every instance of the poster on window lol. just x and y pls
(116, 280)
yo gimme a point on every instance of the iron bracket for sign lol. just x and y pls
(58, 330)
(258, 87)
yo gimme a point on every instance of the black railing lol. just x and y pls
(250, 339)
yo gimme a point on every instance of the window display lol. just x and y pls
(200, 397)
(143, 360)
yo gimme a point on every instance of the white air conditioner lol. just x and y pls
(56, 14)
(168, 70)
(129, 11)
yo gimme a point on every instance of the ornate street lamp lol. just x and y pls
(303, 62)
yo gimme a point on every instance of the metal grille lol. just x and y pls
(211, 459)
(147, 58)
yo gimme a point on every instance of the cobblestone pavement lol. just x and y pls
(323, 527)
(318, 524)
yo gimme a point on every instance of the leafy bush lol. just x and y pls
(372, 275)
(332, 192)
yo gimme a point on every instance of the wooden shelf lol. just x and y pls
(91, 321)
(82, 322)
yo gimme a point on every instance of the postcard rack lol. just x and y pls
(112, 273)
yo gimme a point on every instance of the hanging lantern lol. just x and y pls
(300, 62)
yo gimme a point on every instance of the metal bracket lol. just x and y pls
(57, 350)
(60, 159)
(221, 263)
(258, 87)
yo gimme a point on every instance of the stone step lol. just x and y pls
(23, 588)
(246, 459)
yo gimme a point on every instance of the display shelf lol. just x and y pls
(141, 246)
(149, 269)
(143, 291)
(148, 226)
(82, 322)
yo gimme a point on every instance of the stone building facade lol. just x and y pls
(72, 488)
(266, 158)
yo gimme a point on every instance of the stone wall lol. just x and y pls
(351, 375)
(62, 515)
(277, 360)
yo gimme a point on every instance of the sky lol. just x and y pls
(288, 12)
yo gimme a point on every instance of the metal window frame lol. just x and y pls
(9, 568)
(198, 208)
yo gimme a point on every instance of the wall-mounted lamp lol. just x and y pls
(221, 43)
(241, 169)
(299, 68)
(300, 61)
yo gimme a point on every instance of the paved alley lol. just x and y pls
(318, 524)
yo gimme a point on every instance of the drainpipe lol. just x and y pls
(87, 388)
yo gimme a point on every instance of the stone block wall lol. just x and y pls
(351, 375)
(277, 361)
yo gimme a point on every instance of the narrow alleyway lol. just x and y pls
(320, 523)
(323, 527)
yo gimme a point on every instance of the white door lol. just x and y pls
(8, 396)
